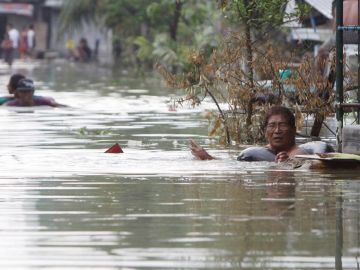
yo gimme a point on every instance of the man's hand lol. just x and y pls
(282, 156)
(199, 152)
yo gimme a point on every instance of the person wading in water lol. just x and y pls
(280, 131)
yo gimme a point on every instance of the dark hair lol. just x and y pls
(14, 79)
(280, 110)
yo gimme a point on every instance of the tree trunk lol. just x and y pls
(175, 21)
(249, 62)
(318, 121)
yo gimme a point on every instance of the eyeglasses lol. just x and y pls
(282, 126)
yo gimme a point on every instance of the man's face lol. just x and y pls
(279, 134)
(25, 97)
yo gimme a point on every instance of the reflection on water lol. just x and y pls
(67, 205)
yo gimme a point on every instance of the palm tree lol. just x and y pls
(75, 13)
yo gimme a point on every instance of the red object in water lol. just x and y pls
(115, 149)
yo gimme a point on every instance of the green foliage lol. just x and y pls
(164, 49)
(153, 31)
(261, 14)
(145, 48)
(84, 131)
(77, 12)
(125, 16)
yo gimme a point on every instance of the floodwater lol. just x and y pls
(65, 204)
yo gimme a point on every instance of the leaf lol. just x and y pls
(299, 118)
(145, 47)
(213, 130)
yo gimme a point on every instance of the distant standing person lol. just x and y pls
(23, 43)
(14, 35)
(70, 48)
(8, 50)
(96, 49)
(83, 51)
(31, 42)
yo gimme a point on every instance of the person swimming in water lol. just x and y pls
(280, 131)
(14, 95)
(14, 79)
(24, 95)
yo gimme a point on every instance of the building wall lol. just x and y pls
(19, 21)
(46, 21)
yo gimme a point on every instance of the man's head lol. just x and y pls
(14, 79)
(25, 92)
(280, 128)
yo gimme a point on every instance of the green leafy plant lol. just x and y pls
(84, 131)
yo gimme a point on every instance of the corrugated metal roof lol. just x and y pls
(323, 6)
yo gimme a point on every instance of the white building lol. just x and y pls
(93, 33)
(317, 26)
(44, 15)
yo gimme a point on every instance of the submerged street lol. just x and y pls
(66, 204)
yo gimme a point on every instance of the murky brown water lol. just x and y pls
(67, 205)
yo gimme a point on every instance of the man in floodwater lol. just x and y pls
(23, 91)
(280, 130)
(24, 94)
(14, 79)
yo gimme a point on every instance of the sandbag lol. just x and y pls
(317, 147)
(258, 153)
